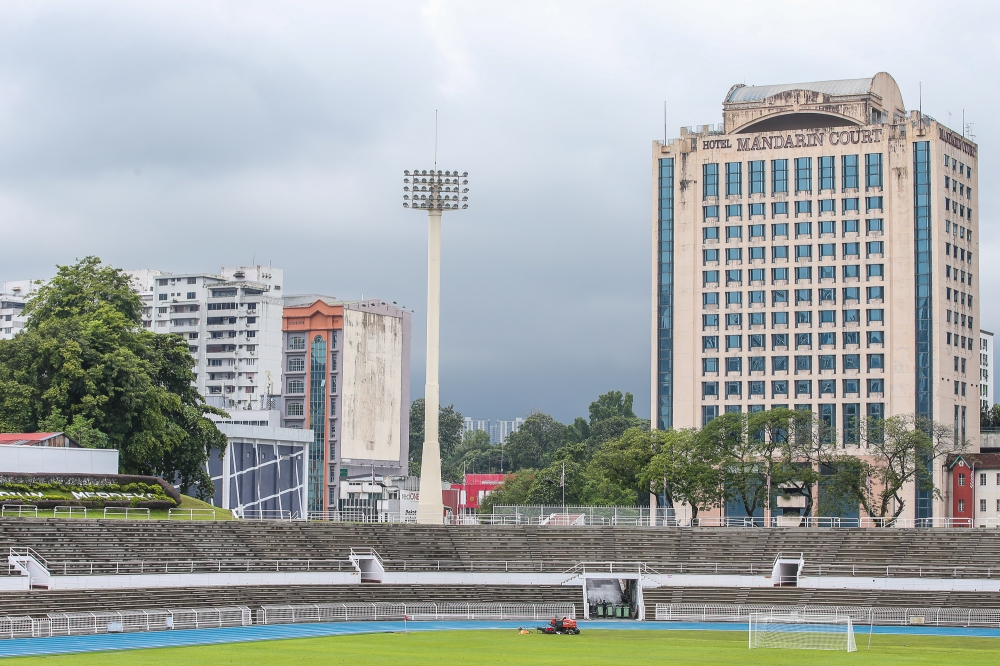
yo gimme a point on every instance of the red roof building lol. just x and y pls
(56, 439)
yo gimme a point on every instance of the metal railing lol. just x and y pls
(882, 615)
(266, 514)
(663, 517)
(126, 512)
(19, 510)
(140, 567)
(560, 566)
(191, 514)
(294, 613)
(103, 622)
(360, 517)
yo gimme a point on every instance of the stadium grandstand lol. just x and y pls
(58, 566)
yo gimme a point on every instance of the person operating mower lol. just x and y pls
(560, 626)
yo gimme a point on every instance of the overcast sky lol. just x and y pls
(188, 136)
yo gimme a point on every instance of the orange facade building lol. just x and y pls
(345, 369)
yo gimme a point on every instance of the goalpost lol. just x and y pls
(819, 632)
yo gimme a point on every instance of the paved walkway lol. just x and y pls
(186, 637)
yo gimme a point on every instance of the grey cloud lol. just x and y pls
(281, 130)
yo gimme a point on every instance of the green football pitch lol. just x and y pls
(509, 647)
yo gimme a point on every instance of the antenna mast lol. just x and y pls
(435, 139)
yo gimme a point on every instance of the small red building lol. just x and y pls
(476, 487)
(975, 489)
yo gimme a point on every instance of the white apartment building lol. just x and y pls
(501, 430)
(986, 399)
(13, 299)
(472, 425)
(232, 323)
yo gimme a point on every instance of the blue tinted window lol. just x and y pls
(826, 173)
(873, 170)
(779, 176)
(710, 177)
(803, 174)
(849, 169)
(734, 179)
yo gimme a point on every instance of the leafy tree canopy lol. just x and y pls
(84, 365)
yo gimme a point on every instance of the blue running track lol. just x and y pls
(23, 647)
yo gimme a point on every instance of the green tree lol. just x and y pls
(625, 462)
(894, 452)
(612, 403)
(450, 427)
(685, 470)
(534, 443)
(475, 455)
(84, 364)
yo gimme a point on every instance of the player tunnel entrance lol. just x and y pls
(613, 599)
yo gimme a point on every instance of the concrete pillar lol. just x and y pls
(430, 507)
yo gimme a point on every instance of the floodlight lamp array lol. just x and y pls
(435, 190)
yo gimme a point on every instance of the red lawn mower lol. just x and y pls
(563, 626)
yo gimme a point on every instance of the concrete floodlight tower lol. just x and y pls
(434, 191)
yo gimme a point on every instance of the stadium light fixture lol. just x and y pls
(434, 191)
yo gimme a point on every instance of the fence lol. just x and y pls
(266, 514)
(19, 510)
(78, 624)
(126, 512)
(191, 514)
(140, 567)
(882, 615)
(288, 614)
(355, 516)
(662, 517)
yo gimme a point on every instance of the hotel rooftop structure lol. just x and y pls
(817, 250)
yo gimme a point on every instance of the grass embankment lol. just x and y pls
(154, 514)
(508, 647)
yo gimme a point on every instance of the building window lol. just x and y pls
(803, 174)
(756, 169)
(734, 179)
(849, 172)
(317, 421)
(710, 180)
(296, 386)
(296, 342)
(708, 414)
(982, 505)
(873, 170)
(826, 173)
(296, 364)
(851, 424)
(961, 506)
(779, 208)
(779, 177)
(982, 480)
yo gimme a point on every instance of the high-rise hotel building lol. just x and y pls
(818, 250)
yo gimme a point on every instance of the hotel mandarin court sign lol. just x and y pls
(833, 138)
(798, 140)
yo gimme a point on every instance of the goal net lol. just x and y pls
(802, 632)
